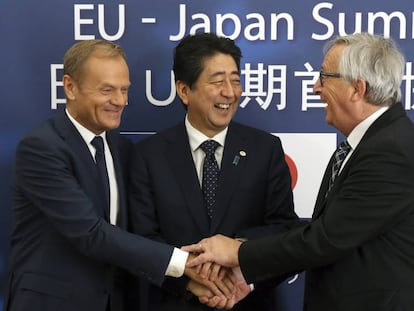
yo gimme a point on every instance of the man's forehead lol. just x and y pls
(332, 56)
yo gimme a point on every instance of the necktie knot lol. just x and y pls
(344, 148)
(340, 155)
(98, 143)
(209, 146)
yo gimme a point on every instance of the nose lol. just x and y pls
(317, 87)
(119, 98)
(228, 89)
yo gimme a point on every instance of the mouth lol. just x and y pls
(114, 113)
(222, 106)
(324, 103)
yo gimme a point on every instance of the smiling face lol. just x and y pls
(97, 99)
(213, 99)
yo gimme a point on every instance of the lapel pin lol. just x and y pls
(236, 160)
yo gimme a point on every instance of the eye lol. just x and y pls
(235, 81)
(106, 90)
(218, 82)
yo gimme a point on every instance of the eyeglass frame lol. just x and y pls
(328, 74)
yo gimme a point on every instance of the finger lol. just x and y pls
(203, 299)
(205, 270)
(230, 304)
(231, 285)
(221, 303)
(212, 302)
(200, 259)
(214, 272)
(216, 301)
(193, 248)
(222, 273)
(198, 269)
(226, 288)
(212, 287)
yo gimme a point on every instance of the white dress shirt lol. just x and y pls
(358, 132)
(196, 138)
(87, 136)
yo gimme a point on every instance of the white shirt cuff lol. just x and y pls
(177, 263)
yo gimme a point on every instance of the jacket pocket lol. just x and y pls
(45, 285)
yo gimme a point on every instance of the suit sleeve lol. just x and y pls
(47, 177)
(373, 198)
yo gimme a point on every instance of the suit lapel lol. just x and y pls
(389, 116)
(83, 159)
(178, 154)
(232, 165)
(70, 134)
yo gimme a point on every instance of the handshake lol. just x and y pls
(214, 272)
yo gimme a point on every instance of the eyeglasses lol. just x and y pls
(323, 74)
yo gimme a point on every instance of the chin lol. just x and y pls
(112, 125)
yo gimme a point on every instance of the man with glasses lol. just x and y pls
(358, 250)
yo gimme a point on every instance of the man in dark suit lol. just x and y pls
(68, 236)
(358, 251)
(253, 196)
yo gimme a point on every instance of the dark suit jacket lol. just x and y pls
(63, 252)
(358, 251)
(254, 199)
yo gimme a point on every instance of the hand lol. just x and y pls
(219, 249)
(211, 271)
(199, 290)
(241, 290)
(206, 296)
(220, 287)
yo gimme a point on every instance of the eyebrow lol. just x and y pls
(219, 73)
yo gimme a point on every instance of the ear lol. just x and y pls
(360, 87)
(69, 86)
(183, 91)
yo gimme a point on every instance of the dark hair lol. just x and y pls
(190, 53)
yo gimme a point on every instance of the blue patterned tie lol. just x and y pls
(339, 156)
(210, 175)
(98, 143)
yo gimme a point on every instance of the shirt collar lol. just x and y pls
(196, 138)
(358, 132)
(86, 134)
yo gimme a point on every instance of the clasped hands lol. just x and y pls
(214, 272)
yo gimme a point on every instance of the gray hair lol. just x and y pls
(374, 59)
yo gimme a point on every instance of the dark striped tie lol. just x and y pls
(339, 156)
